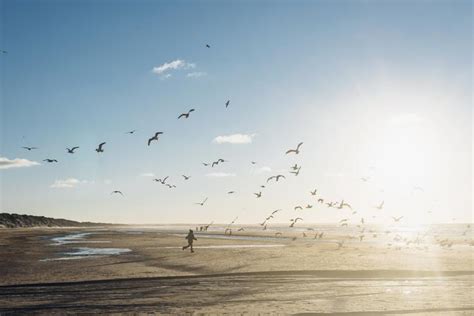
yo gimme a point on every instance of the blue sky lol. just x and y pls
(370, 88)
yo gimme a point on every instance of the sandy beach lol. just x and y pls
(143, 269)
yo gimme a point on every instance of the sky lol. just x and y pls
(380, 90)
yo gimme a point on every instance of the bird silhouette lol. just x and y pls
(321, 201)
(380, 206)
(170, 186)
(155, 137)
(186, 115)
(50, 160)
(117, 192)
(397, 219)
(258, 195)
(297, 172)
(313, 192)
(186, 177)
(227, 103)
(202, 203)
(3, 52)
(162, 181)
(231, 192)
(100, 149)
(131, 132)
(309, 206)
(208, 46)
(71, 150)
(276, 211)
(29, 148)
(293, 221)
(296, 151)
(297, 208)
(342, 204)
(277, 177)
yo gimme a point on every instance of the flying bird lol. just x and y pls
(296, 151)
(170, 186)
(297, 208)
(202, 203)
(208, 46)
(71, 150)
(3, 51)
(157, 134)
(297, 172)
(320, 200)
(50, 160)
(231, 192)
(258, 195)
(205, 164)
(397, 219)
(313, 192)
(29, 148)
(117, 192)
(276, 211)
(186, 115)
(309, 206)
(342, 204)
(100, 149)
(227, 103)
(380, 206)
(277, 177)
(131, 132)
(162, 181)
(293, 221)
(186, 177)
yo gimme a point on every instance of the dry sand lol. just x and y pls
(274, 276)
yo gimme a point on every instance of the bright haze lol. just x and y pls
(380, 91)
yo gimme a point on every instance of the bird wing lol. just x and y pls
(184, 114)
(291, 151)
(299, 145)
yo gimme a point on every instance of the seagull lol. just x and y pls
(227, 103)
(170, 186)
(297, 208)
(277, 177)
(380, 206)
(259, 194)
(186, 115)
(342, 204)
(157, 134)
(131, 132)
(296, 151)
(208, 46)
(117, 192)
(3, 51)
(313, 192)
(50, 160)
(100, 149)
(241, 229)
(231, 192)
(202, 203)
(293, 221)
(253, 162)
(29, 148)
(206, 164)
(295, 167)
(276, 211)
(71, 150)
(186, 177)
(309, 206)
(162, 181)
(331, 204)
(320, 200)
(297, 172)
(397, 219)
(215, 163)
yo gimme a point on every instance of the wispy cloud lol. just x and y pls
(6, 163)
(220, 174)
(263, 169)
(196, 74)
(234, 139)
(67, 183)
(172, 65)
(147, 174)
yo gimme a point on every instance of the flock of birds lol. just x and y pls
(295, 170)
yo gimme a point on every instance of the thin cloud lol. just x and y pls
(67, 183)
(6, 163)
(172, 65)
(220, 174)
(196, 74)
(263, 169)
(234, 139)
(147, 174)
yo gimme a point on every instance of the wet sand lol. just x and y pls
(246, 275)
